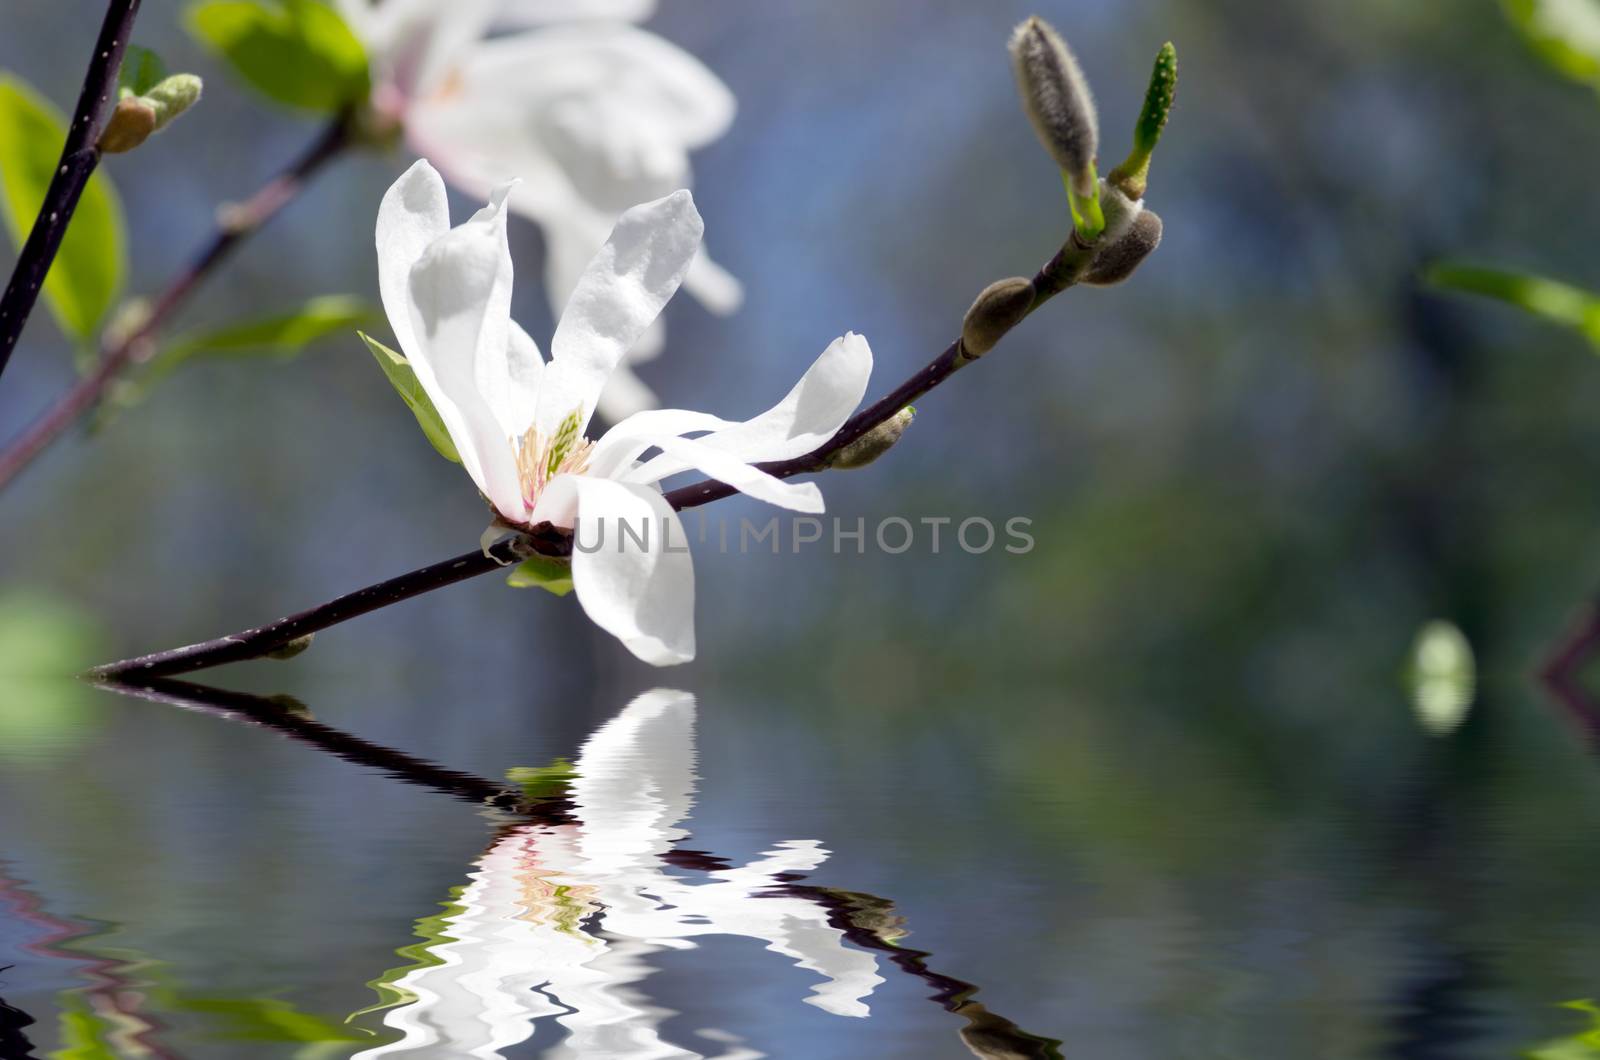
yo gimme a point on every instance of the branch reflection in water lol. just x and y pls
(585, 881)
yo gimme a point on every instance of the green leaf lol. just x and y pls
(87, 274)
(142, 69)
(297, 52)
(404, 380)
(283, 336)
(543, 572)
(1565, 34)
(1557, 302)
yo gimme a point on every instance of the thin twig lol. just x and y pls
(1062, 272)
(271, 714)
(234, 224)
(79, 157)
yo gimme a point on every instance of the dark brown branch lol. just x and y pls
(234, 224)
(1061, 273)
(272, 714)
(79, 157)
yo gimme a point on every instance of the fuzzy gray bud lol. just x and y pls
(867, 448)
(1000, 307)
(1117, 261)
(1056, 96)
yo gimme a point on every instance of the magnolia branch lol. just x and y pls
(290, 635)
(79, 157)
(234, 224)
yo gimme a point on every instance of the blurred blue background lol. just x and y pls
(1156, 786)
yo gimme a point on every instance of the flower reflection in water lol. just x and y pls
(560, 920)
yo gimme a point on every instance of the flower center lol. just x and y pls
(541, 457)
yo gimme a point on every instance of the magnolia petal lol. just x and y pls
(534, 12)
(621, 293)
(619, 447)
(414, 213)
(460, 295)
(725, 467)
(634, 784)
(810, 414)
(643, 596)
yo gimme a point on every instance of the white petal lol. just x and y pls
(414, 213)
(810, 414)
(709, 460)
(415, 44)
(460, 293)
(596, 114)
(533, 12)
(635, 784)
(642, 596)
(621, 293)
(619, 447)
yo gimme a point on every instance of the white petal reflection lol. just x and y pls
(554, 934)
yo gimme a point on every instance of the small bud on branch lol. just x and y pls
(1000, 307)
(874, 443)
(1118, 260)
(137, 117)
(1056, 97)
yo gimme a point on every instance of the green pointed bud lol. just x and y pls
(172, 96)
(1056, 97)
(1132, 177)
(874, 443)
(1000, 307)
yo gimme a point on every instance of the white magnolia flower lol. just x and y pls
(560, 923)
(518, 423)
(592, 114)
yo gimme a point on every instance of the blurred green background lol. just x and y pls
(1157, 785)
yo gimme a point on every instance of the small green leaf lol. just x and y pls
(297, 52)
(543, 572)
(1565, 34)
(1557, 302)
(541, 783)
(88, 271)
(404, 380)
(284, 336)
(142, 69)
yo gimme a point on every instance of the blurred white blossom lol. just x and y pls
(591, 113)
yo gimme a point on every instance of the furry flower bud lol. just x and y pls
(1056, 97)
(874, 443)
(1000, 307)
(1120, 257)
